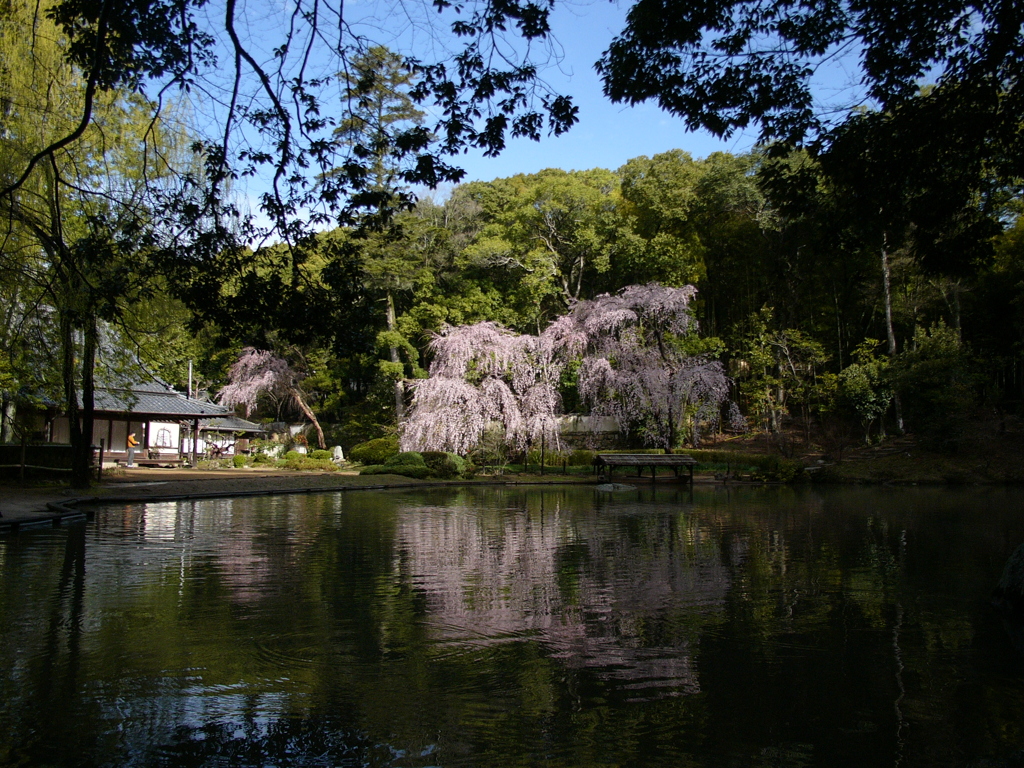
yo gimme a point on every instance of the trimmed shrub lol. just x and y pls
(409, 458)
(374, 451)
(241, 460)
(444, 465)
(551, 458)
(306, 464)
(488, 457)
(321, 455)
(293, 456)
(461, 465)
(416, 471)
(262, 458)
(323, 465)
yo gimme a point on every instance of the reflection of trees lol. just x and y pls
(43, 625)
(627, 596)
(506, 627)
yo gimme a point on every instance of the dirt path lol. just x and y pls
(25, 504)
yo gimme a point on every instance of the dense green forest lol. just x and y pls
(794, 302)
(854, 280)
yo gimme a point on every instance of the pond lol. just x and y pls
(517, 626)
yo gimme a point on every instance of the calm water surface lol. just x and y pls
(554, 626)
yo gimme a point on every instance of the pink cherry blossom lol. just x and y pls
(633, 368)
(259, 372)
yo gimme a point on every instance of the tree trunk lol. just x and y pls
(7, 419)
(889, 330)
(773, 414)
(956, 310)
(81, 459)
(399, 383)
(311, 416)
(839, 329)
(887, 296)
(671, 431)
(79, 441)
(952, 298)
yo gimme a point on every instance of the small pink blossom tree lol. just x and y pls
(636, 365)
(484, 374)
(257, 373)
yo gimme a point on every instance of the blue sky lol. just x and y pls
(607, 134)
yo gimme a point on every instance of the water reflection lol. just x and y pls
(508, 627)
(609, 594)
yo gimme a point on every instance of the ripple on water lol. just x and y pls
(292, 651)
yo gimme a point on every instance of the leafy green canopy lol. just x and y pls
(82, 170)
(725, 64)
(721, 65)
(938, 106)
(271, 99)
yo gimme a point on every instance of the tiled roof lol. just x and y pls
(231, 424)
(154, 398)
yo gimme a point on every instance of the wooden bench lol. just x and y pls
(676, 461)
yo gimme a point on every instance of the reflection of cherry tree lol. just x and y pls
(495, 576)
(257, 373)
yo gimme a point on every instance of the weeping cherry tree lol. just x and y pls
(638, 367)
(481, 375)
(637, 362)
(258, 372)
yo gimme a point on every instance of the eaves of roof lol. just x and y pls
(231, 424)
(154, 402)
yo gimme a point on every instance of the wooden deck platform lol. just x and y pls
(144, 460)
(159, 462)
(676, 461)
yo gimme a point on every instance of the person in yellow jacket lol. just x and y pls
(132, 445)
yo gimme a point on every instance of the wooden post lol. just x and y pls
(99, 464)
